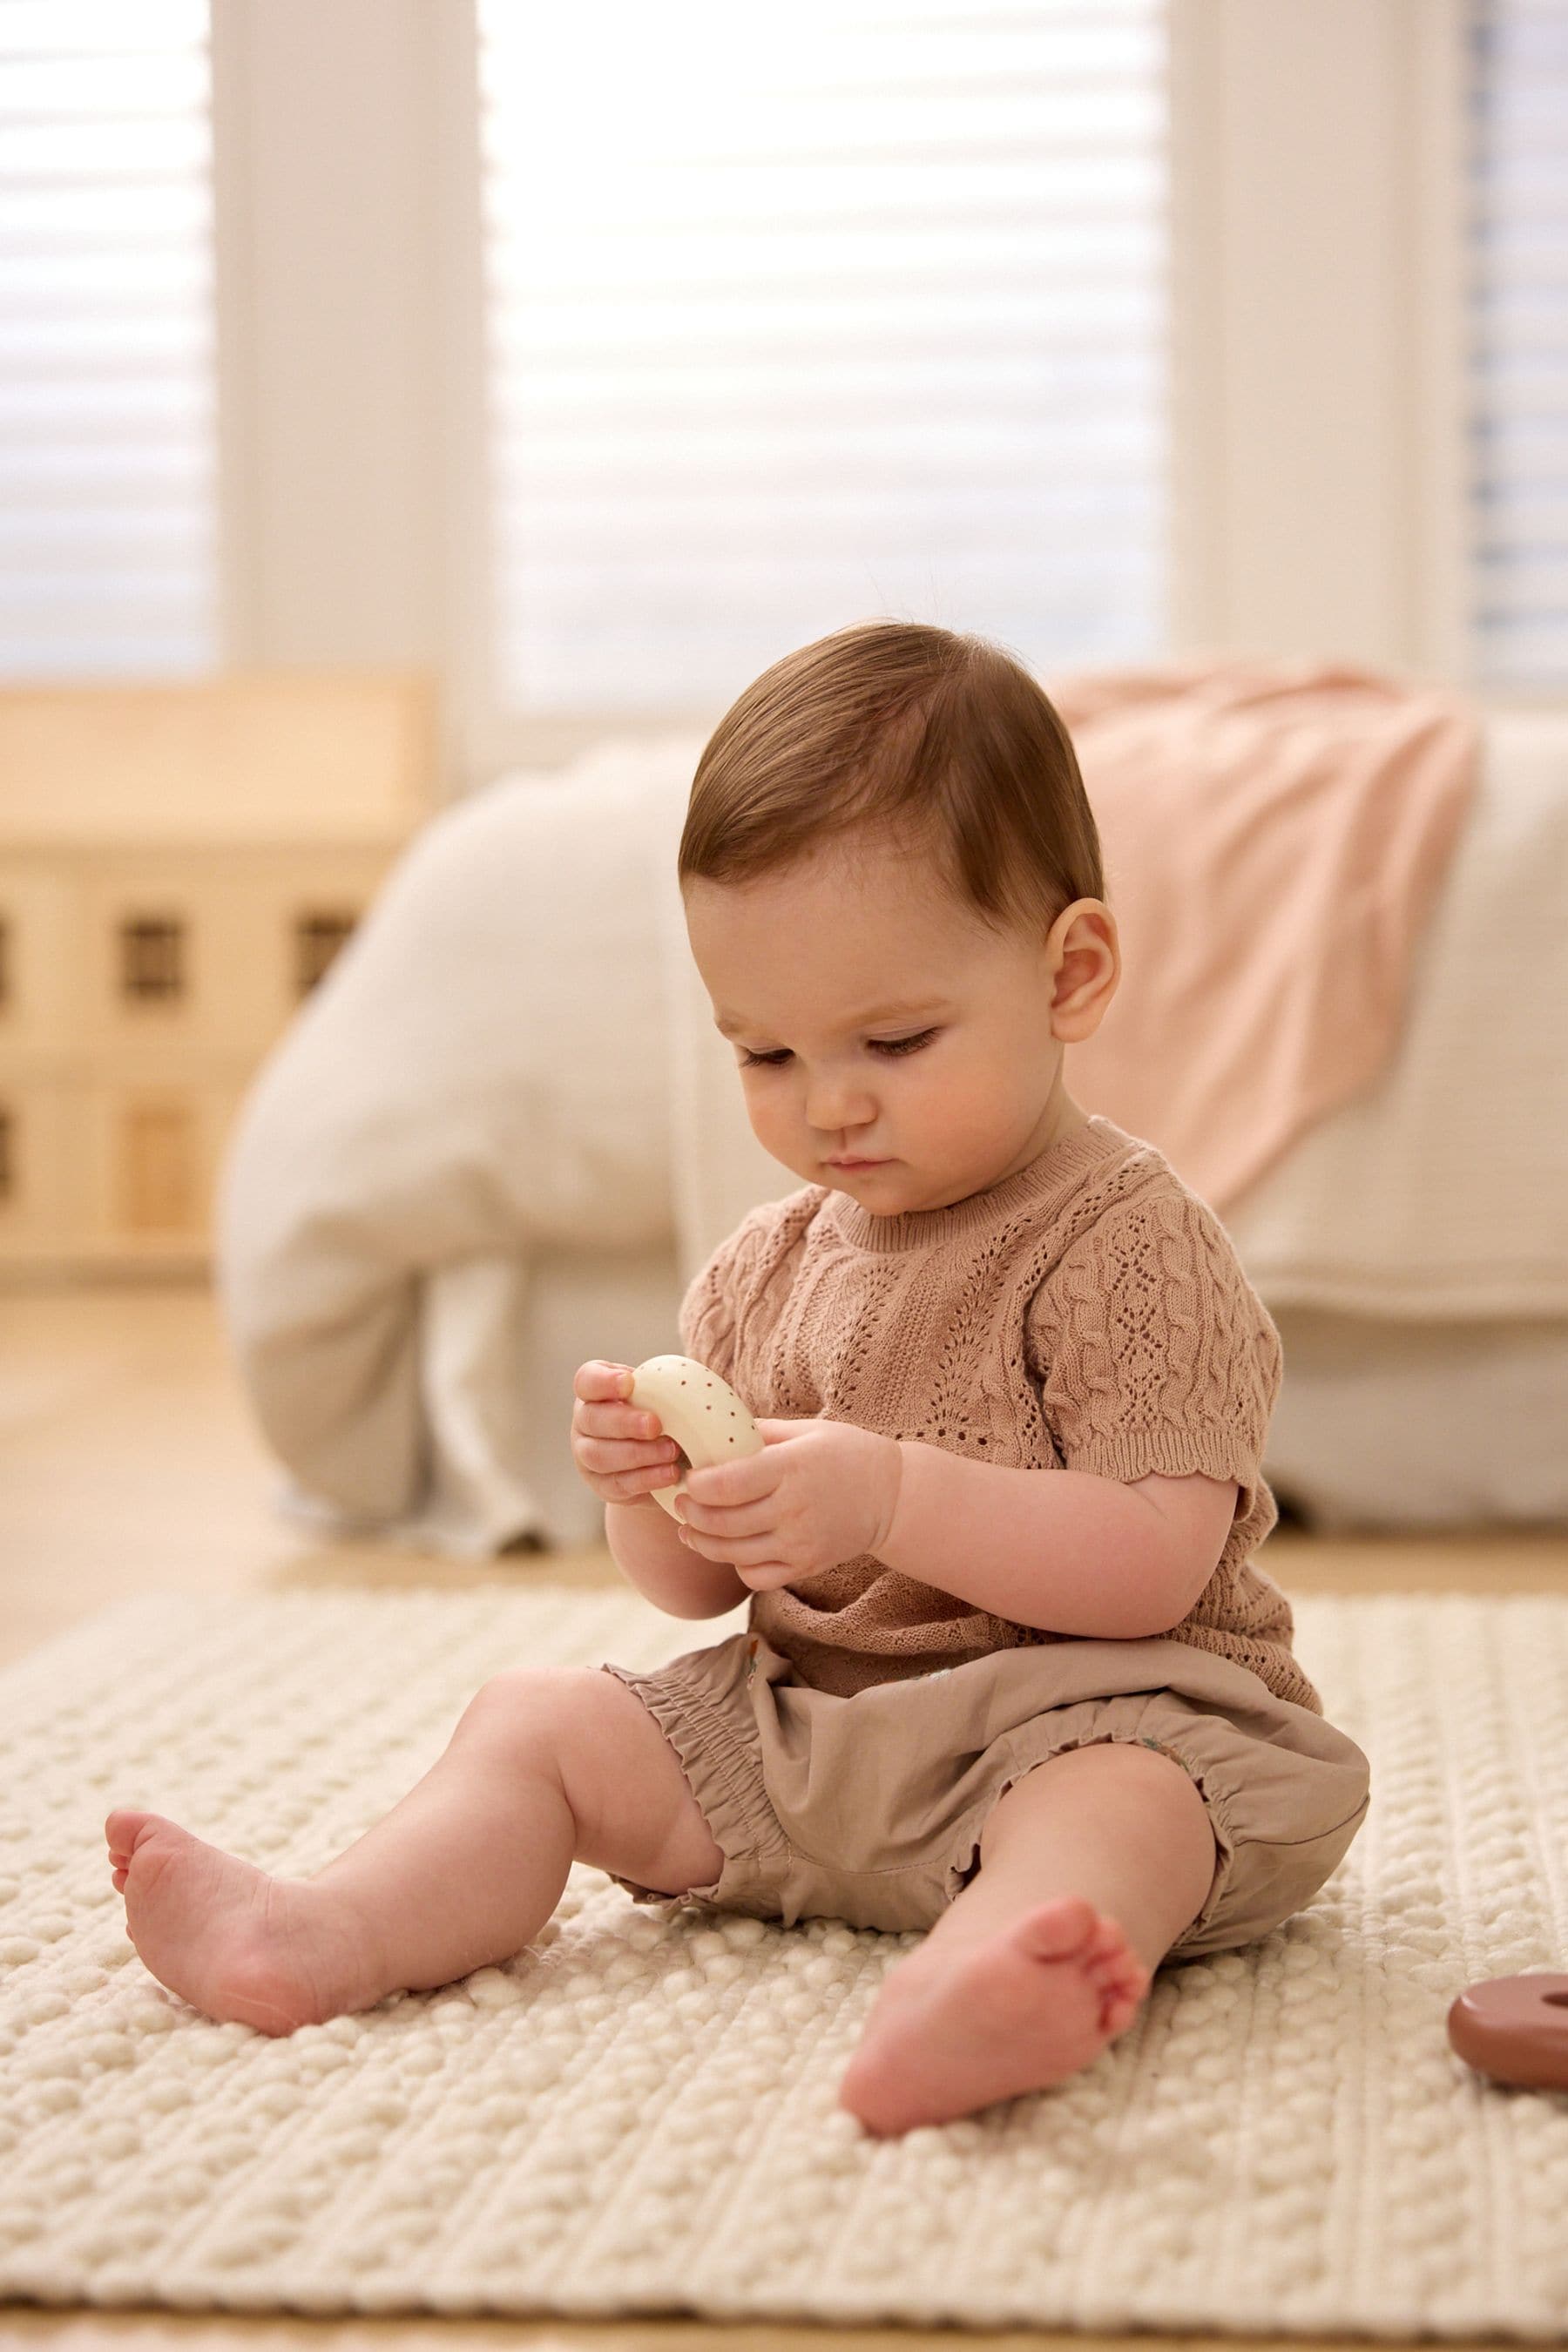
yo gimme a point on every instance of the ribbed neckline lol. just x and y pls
(1057, 1170)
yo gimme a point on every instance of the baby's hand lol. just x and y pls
(819, 1492)
(619, 1449)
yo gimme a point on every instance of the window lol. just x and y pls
(1518, 341)
(108, 457)
(799, 315)
(152, 959)
(599, 355)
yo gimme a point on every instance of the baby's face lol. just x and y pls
(871, 1015)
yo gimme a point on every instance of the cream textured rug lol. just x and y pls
(638, 2115)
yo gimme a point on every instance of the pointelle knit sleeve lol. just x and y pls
(1154, 1353)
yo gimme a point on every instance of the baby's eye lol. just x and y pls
(890, 1046)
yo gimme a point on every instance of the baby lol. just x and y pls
(1011, 1674)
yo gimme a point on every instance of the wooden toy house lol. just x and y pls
(178, 866)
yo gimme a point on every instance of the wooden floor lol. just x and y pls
(128, 1464)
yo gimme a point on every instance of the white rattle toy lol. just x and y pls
(700, 1410)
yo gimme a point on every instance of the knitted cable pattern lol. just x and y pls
(1155, 1355)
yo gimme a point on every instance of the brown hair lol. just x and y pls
(897, 731)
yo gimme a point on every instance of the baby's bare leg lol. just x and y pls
(1091, 1866)
(547, 1766)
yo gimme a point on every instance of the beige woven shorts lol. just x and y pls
(870, 1808)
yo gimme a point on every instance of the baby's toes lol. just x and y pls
(1120, 1978)
(1121, 1967)
(1107, 1954)
(122, 1833)
(1108, 1939)
(1135, 1977)
(1126, 1973)
(1117, 2011)
(121, 1829)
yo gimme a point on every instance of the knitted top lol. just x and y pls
(1088, 1312)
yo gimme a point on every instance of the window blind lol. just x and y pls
(796, 315)
(108, 454)
(1518, 299)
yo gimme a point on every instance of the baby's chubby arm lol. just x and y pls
(647, 1547)
(1062, 1549)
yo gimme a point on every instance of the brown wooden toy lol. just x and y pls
(1515, 2029)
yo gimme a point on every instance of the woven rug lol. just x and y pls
(638, 2113)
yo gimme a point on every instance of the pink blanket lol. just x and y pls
(1275, 834)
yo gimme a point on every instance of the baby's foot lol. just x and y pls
(272, 1953)
(953, 2030)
